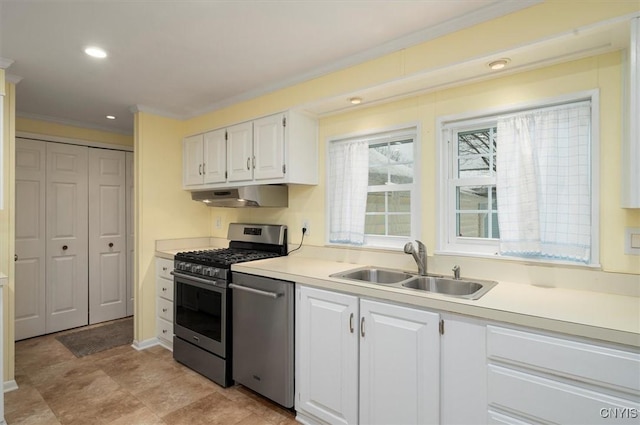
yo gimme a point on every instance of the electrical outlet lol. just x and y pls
(306, 225)
(218, 222)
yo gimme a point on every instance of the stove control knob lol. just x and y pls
(181, 265)
(207, 271)
(196, 269)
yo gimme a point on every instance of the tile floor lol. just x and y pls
(123, 386)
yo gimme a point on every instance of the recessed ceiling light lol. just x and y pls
(499, 64)
(95, 52)
(355, 100)
(111, 117)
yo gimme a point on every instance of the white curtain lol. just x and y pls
(543, 183)
(348, 181)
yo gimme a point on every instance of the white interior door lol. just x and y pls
(107, 235)
(67, 243)
(130, 233)
(30, 317)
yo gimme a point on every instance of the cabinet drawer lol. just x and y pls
(165, 309)
(577, 360)
(164, 288)
(164, 330)
(554, 401)
(164, 268)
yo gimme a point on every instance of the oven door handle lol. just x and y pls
(194, 278)
(255, 291)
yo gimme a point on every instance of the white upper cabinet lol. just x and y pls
(276, 149)
(631, 143)
(240, 156)
(192, 155)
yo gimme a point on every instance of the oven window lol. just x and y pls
(199, 310)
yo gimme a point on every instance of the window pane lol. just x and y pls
(374, 225)
(472, 198)
(376, 202)
(474, 142)
(401, 174)
(399, 201)
(378, 175)
(378, 154)
(473, 225)
(400, 225)
(401, 151)
(474, 166)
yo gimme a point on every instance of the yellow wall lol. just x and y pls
(162, 209)
(7, 223)
(71, 132)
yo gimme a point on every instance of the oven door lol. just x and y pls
(200, 307)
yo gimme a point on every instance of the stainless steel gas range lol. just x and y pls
(203, 299)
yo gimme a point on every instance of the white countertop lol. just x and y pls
(607, 317)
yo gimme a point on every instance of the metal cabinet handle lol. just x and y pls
(255, 291)
(64, 247)
(15, 257)
(362, 327)
(164, 331)
(203, 168)
(351, 323)
(199, 169)
(249, 163)
(164, 289)
(110, 244)
(164, 269)
(254, 162)
(164, 310)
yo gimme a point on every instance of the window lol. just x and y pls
(372, 197)
(520, 182)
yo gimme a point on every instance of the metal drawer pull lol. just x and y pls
(255, 291)
(351, 323)
(164, 310)
(249, 163)
(362, 327)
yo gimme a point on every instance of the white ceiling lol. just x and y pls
(184, 58)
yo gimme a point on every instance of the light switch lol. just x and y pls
(632, 240)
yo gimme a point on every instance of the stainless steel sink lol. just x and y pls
(469, 289)
(374, 275)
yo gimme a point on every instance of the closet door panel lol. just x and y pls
(30, 239)
(107, 235)
(67, 237)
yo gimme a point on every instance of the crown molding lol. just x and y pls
(72, 123)
(5, 63)
(13, 79)
(156, 111)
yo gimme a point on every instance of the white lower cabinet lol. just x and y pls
(362, 361)
(164, 302)
(537, 378)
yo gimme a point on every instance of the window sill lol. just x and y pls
(523, 261)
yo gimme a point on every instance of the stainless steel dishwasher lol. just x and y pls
(263, 336)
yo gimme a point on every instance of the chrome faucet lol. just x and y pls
(456, 272)
(420, 256)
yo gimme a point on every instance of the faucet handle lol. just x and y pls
(456, 272)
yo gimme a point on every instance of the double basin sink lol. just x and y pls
(459, 288)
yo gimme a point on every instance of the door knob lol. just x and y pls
(64, 247)
(110, 244)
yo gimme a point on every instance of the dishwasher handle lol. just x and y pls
(273, 295)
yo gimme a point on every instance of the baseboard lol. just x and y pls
(10, 385)
(147, 343)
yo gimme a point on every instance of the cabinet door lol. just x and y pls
(327, 355)
(30, 239)
(240, 161)
(107, 235)
(192, 160)
(67, 237)
(399, 365)
(215, 157)
(268, 147)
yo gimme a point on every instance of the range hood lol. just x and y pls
(272, 195)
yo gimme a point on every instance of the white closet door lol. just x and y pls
(67, 237)
(30, 318)
(107, 235)
(130, 233)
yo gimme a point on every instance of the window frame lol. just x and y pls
(448, 242)
(409, 130)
